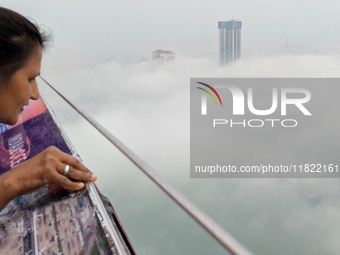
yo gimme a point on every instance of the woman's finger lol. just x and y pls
(79, 166)
(72, 161)
(66, 183)
(71, 172)
(79, 175)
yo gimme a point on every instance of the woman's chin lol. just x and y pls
(11, 121)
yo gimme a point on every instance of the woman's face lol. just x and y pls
(22, 87)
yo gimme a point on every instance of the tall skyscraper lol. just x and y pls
(229, 41)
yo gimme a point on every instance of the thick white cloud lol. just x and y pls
(146, 105)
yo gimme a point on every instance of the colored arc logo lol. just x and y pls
(209, 92)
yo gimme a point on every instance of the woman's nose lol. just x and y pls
(35, 95)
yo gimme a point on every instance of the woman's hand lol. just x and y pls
(46, 167)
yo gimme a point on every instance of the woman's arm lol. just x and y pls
(7, 192)
(46, 167)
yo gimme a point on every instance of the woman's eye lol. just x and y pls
(30, 80)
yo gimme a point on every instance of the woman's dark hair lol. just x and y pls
(19, 38)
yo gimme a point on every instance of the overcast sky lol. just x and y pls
(147, 106)
(104, 28)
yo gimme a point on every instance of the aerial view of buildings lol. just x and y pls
(66, 226)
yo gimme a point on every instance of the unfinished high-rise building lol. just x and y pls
(229, 41)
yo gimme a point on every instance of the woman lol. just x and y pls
(21, 46)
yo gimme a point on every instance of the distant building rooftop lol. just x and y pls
(231, 24)
(163, 55)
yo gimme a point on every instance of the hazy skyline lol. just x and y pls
(98, 31)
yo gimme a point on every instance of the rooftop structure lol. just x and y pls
(296, 49)
(143, 60)
(163, 55)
